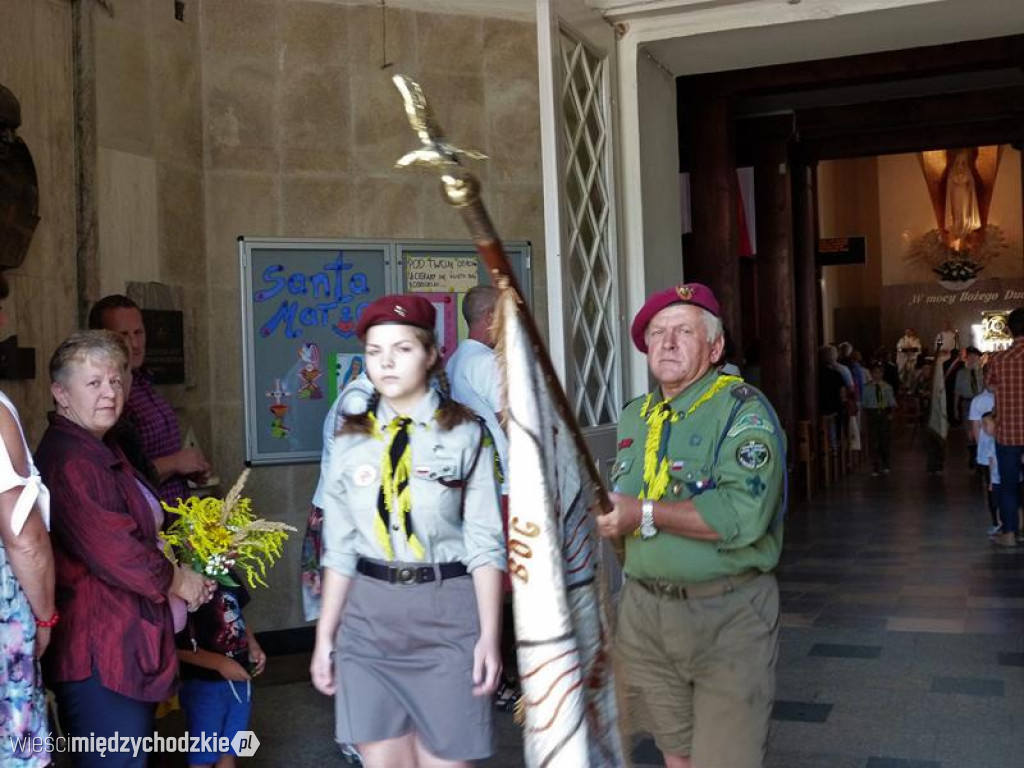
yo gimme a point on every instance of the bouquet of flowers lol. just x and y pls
(214, 536)
(957, 270)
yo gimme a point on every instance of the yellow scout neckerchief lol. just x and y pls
(656, 461)
(395, 496)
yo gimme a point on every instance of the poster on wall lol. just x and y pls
(301, 302)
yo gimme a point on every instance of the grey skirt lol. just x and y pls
(404, 663)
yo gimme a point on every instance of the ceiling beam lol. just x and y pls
(910, 63)
(925, 111)
(1006, 130)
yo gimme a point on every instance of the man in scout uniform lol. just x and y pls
(699, 486)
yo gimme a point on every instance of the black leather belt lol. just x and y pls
(410, 574)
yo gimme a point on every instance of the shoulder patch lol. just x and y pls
(751, 421)
(753, 455)
(743, 392)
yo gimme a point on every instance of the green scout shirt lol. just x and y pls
(739, 495)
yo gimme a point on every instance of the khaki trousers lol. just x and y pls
(699, 674)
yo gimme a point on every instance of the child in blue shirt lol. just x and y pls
(219, 657)
(986, 459)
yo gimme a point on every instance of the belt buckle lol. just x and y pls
(406, 576)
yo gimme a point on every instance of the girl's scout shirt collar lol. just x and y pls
(422, 413)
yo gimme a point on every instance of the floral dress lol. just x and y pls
(22, 696)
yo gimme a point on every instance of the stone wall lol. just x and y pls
(256, 118)
(149, 175)
(35, 64)
(301, 130)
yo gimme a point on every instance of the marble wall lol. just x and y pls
(301, 129)
(35, 64)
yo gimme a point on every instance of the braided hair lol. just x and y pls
(449, 413)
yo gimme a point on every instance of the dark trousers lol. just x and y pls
(935, 448)
(991, 495)
(86, 709)
(1008, 457)
(880, 435)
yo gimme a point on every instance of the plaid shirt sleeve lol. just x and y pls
(1007, 377)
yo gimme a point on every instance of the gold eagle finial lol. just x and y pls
(435, 153)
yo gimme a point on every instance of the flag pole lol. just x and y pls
(461, 189)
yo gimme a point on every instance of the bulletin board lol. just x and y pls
(301, 300)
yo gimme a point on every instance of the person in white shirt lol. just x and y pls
(476, 382)
(908, 348)
(981, 404)
(990, 468)
(948, 339)
(473, 369)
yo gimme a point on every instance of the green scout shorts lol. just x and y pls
(699, 673)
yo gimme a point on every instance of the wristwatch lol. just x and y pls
(647, 529)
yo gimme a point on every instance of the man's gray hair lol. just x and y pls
(713, 326)
(480, 299)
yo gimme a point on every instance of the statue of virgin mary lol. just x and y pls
(962, 214)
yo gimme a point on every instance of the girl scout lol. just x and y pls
(408, 635)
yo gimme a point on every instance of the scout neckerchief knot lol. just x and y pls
(656, 461)
(394, 496)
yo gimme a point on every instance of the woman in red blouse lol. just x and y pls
(112, 656)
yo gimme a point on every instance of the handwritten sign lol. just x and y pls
(441, 274)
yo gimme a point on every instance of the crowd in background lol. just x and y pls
(931, 395)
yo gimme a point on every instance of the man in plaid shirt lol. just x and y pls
(1007, 381)
(151, 415)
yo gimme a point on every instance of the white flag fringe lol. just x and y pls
(562, 631)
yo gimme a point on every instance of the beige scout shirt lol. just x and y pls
(453, 523)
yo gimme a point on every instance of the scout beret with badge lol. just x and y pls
(696, 294)
(397, 309)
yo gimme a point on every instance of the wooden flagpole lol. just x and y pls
(461, 189)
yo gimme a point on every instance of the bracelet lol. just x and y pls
(49, 623)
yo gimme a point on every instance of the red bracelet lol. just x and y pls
(49, 623)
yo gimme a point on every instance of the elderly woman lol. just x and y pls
(27, 612)
(112, 657)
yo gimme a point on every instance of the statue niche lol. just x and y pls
(960, 184)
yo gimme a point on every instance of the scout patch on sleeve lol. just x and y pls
(751, 421)
(753, 455)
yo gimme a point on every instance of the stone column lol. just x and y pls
(776, 282)
(808, 291)
(714, 196)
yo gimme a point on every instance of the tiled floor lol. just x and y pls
(902, 643)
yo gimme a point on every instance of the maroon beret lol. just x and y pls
(697, 294)
(400, 309)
